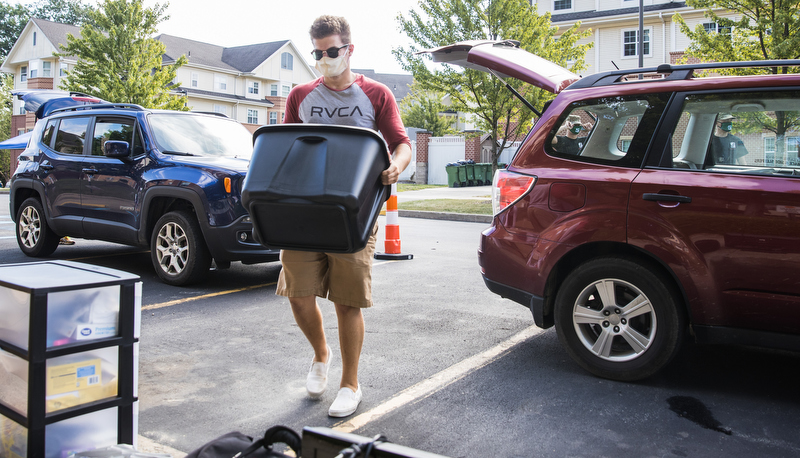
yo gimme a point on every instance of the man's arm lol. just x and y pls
(401, 157)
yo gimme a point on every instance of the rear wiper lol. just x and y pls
(178, 153)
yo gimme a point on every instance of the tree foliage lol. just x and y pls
(423, 109)
(443, 22)
(118, 60)
(764, 30)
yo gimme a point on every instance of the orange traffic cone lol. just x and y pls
(392, 242)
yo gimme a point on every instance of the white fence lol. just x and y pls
(505, 157)
(442, 151)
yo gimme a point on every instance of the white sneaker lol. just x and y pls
(346, 402)
(317, 380)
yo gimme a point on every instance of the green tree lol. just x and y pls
(119, 61)
(764, 30)
(443, 22)
(423, 109)
(63, 11)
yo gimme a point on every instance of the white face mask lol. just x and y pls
(332, 67)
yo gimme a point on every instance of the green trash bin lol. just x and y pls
(462, 174)
(452, 176)
(480, 174)
(489, 175)
(470, 174)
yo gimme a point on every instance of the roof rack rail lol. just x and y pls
(98, 106)
(673, 72)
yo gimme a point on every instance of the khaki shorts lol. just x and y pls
(342, 278)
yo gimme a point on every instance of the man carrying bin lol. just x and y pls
(344, 98)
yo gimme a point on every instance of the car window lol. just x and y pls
(47, 136)
(749, 133)
(71, 135)
(611, 130)
(114, 129)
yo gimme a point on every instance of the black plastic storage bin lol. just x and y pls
(315, 187)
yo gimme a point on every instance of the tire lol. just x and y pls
(178, 250)
(34, 236)
(618, 320)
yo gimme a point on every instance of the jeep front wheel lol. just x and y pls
(617, 319)
(34, 236)
(178, 250)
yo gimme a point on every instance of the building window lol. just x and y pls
(252, 116)
(34, 73)
(273, 90)
(769, 150)
(712, 27)
(46, 72)
(195, 79)
(62, 70)
(252, 88)
(273, 117)
(220, 83)
(559, 5)
(34, 38)
(23, 73)
(286, 90)
(630, 43)
(287, 61)
(791, 144)
(221, 109)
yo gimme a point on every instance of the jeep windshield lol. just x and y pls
(189, 134)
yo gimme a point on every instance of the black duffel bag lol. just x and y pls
(238, 445)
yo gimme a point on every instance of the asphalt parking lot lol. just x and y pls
(448, 367)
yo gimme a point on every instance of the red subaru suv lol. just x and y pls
(641, 210)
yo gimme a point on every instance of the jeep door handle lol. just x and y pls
(89, 171)
(45, 166)
(656, 197)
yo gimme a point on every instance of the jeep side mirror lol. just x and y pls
(116, 148)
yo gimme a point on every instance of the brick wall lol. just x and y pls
(40, 83)
(472, 149)
(421, 174)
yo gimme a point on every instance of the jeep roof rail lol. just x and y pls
(98, 106)
(672, 72)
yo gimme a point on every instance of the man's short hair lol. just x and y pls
(325, 26)
(574, 119)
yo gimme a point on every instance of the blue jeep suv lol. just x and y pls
(167, 180)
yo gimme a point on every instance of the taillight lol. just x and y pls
(509, 187)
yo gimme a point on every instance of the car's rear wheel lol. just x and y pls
(34, 236)
(617, 319)
(178, 249)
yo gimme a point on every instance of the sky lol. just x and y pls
(228, 23)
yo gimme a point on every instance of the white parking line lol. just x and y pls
(8, 237)
(438, 381)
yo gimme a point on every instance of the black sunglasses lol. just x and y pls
(333, 53)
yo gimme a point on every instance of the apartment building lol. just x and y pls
(615, 29)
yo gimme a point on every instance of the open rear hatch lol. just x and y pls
(505, 59)
(45, 102)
